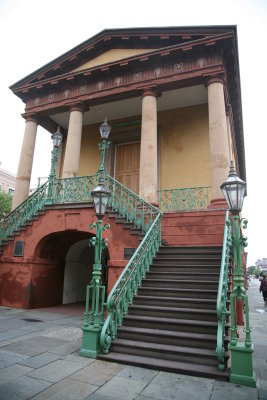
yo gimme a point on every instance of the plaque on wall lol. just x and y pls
(128, 253)
(19, 248)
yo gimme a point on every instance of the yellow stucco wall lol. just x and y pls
(111, 55)
(90, 155)
(184, 147)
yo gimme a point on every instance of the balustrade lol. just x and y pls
(195, 198)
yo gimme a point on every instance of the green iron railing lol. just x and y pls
(24, 212)
(128, 283)
(222, 312)
(130, 206)
(195, 198)
(56, 191)
(74, 190)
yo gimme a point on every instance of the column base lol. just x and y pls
(242, 369)
(91, 342)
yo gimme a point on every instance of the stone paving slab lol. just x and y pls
(78, 359)
(68, 333)
(97, 396)
(69, 347)
(35, 345)
(15, 339)
(119, 388)
(139, 374)
(22, 388)
(8, 358)
(262, 394)
(40, 360)
(56, 371)
(167, 385)
(98, 373)
(67, 389)
(227, 390)
(12, 372)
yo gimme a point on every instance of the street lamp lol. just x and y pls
(234, 191)
(103, 146)
(57, 140)
(94, 319)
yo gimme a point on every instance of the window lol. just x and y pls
(11, 191)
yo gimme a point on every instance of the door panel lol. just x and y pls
(127, 165)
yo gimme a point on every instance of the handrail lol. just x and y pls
(191, 198)
(221, 307)
(24, 212)
(130, 206)
(56, 191)
(128, 283)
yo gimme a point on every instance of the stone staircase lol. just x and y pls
(172, 323)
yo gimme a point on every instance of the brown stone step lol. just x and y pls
(210, 276)
(207, 371)
(166, 351)
(209, 304)
(180, 283)
(178, 338)
(177, 292)
(175, 324)
(173, 312)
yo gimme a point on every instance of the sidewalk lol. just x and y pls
(39, 359)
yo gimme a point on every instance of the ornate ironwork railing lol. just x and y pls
(128, 283)
(222, 311)
(74, 190)
(55, 191)
(130, 206)
(24, 212)
(78, 189)
(184, 198)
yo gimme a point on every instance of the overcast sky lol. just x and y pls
(34, 32)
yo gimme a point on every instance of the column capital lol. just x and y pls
(79, 106)
(215, 79)
(150, 91)
(30, 117)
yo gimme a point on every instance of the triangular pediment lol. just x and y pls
(114, 45)
(109, 56)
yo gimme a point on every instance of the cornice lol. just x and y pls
(162, 53)
(158, 37)
(127, 83)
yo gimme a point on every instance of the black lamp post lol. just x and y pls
(234, 191)
(57, 140)
(94, 319)
(103, 146)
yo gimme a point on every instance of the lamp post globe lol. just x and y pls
(234, 191)
(104, 130)
(100, 197)
(57, 138)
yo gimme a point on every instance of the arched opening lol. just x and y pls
(63, 268)
(78, 271)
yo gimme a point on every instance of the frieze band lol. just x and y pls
(126, 79)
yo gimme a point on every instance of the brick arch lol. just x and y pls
(47, 277)
(35, 279)
(56, 245)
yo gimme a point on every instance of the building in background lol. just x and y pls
(7, 181)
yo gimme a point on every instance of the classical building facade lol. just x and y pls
(172, 97)
(173, 100)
